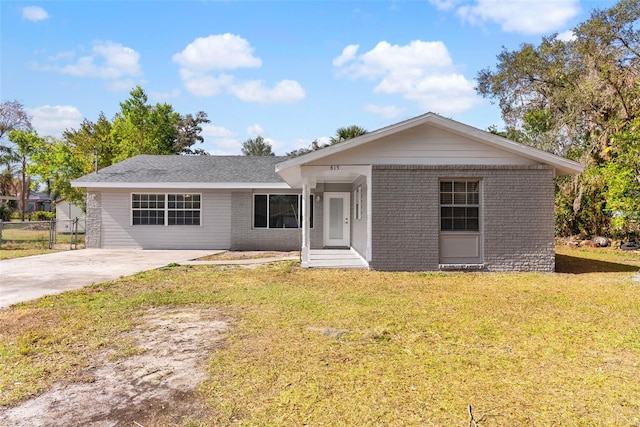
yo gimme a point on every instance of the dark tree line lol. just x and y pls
(581, 99)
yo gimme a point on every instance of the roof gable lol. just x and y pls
(512, 152)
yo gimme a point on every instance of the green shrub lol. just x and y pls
(5, 213)
(43, 216)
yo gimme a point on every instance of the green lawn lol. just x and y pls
(416, 348)
(20, 242)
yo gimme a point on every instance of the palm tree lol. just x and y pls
(349, 132)
(25, 143)
(342, 134)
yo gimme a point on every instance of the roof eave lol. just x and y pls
(355, 142)
(562, 165)
(181, 185)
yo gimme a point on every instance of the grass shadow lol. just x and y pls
(578, 265)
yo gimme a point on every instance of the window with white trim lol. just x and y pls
(459, 205)
(183, 209)
(357, 204)
(279, 210)
(165, 209)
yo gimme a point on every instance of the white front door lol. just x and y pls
(336, 219)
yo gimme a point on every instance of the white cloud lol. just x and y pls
(566, 36)
(386, 111)
(119, 60)
(34, 13)
(217, 52)
(278, 147)
(205, 56)
(522, 16)
(68, 55)
(255, 130)
(420, 71)
(203, 84)
(284, 92)
(107, 60)
(385, 59)
(213, 131)
(220, 141)
(323, 140)
(348, 54)
(52, 120)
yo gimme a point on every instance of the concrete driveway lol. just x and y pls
(23, 279)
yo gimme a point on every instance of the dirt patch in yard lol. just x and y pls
(240, 255)
(153, 386)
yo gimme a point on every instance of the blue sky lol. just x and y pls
(289, 71)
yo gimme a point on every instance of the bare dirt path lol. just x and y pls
(153, 388)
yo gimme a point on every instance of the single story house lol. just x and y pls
(425, 194)
(39, 202)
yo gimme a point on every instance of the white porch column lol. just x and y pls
(305, 224)
(369, 214)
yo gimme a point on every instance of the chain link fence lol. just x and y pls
(54, 234)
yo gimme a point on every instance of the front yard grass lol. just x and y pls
(18, 243)
(331, 347)
(13, 250)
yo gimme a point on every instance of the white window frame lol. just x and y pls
(454, 205)
(166, 209)
(298, 195)
(357, 203)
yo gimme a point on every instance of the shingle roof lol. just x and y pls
(188, 169)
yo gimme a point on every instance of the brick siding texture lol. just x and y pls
(93, 230)
(246, 238)
(517, 205)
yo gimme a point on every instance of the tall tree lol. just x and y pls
(622, 174)
(59, 161)
(257, 147)
(189, 132)
(13, 117)
(571, 98)
(141, 128)
(25, 143)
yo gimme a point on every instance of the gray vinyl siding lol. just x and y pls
(118, 232)
(516, 216)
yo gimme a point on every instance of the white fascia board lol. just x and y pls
(562, 165)
(182, 185)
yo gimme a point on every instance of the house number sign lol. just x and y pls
(334, 167)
